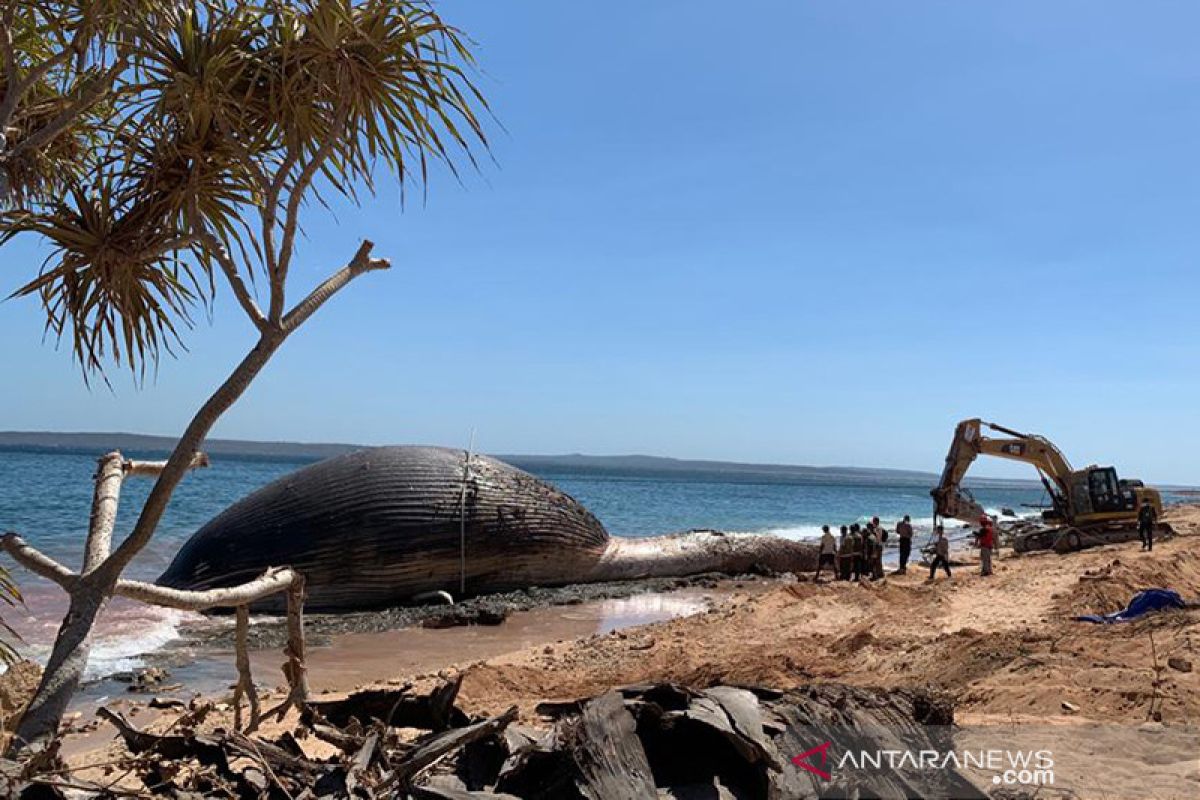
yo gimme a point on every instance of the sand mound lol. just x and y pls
(1110, 586)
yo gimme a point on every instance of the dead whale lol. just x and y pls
(380, 526)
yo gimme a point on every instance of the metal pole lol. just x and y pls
(462, 520)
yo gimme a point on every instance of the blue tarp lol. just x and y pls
(1142, 603)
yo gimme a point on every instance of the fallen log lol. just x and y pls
(397, 707)
(430, 750)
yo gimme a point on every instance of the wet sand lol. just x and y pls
(354, 659)
(343, 661)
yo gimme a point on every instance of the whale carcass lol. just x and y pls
(380, 526)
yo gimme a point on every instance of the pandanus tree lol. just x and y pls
(163, 150)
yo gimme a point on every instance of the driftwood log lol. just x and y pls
(90, 588)
(385, 525)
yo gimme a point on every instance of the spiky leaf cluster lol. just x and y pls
(199, 130)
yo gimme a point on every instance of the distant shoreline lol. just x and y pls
(146, 445)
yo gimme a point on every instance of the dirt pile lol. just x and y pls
(1110, 586)
(17, 686)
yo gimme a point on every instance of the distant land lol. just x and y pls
(144, 445)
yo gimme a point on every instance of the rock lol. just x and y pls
(166, 702)
(456, 616)
(1179, 664)
(145, 679)
(1070, 707)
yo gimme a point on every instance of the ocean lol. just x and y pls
(46, 497)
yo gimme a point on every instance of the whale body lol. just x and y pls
(383, 525)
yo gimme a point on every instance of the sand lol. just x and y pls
(1005, 647)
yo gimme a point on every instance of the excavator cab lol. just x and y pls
(1106, 492)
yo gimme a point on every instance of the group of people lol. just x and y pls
(858, 553)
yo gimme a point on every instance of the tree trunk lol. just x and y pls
(63, 672)
(102, 569)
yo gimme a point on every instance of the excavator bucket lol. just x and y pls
(961, 505)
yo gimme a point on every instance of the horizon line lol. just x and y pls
(295, 445)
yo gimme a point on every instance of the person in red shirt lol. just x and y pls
(987, 543)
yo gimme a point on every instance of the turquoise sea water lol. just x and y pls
(46, 498)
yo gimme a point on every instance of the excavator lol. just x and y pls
(1088, 506)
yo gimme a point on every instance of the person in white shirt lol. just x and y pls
(828, 553)
(941, 553)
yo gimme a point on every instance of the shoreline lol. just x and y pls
(201, 660)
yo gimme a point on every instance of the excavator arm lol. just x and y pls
(951, 499)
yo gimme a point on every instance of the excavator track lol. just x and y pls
(1071, 538)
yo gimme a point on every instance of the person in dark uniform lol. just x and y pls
(1146, 519)
(870, 546)
(845, 554)
(856, 552)
(904, 532)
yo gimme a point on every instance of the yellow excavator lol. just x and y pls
(1088, 506)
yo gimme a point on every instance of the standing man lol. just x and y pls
(870, 548)
(877, 554)
(845, 555)
(987, 542)
(941, 554)
(904, 531)
(856, 545)
(828, 554)
(1146, 519)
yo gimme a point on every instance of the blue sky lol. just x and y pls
(804, 232)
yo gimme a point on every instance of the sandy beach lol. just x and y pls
(1004, 648)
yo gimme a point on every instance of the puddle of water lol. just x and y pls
(626, 612)
(354, 659)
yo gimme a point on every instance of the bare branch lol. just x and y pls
(110, 473)
(270, 215)
(291, 219)
(212, 245)
(10, 62)
(154, 468)
(245, 683)
(295, 669)
(37, 562)
(362, 262)
(274, 580)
